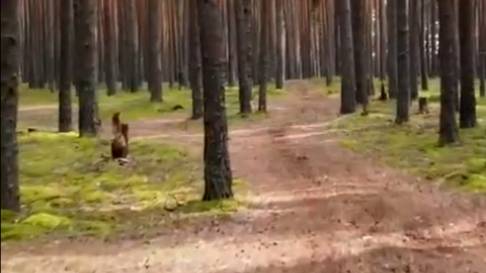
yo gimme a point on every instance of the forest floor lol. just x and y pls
(315, 207)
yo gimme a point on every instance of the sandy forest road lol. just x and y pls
(318, 208)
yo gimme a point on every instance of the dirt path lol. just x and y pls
(318, 208)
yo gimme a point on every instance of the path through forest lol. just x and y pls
(317, 208)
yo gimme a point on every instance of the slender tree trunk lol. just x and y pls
(132, 46)
(109, 45)
(9, 105)
(230, 4)
(423, 47)
(482, 49)
(403, 96)
(466, 32)
(154, 47)
(360, 52)
(243, 30)
(448, 126)
(195, 61)
(348, 81)
(86, 15)
(482, 77)
(65, 69)
(217, 168)
(392, 48)
(280, 45)
(264, 58)
(414, 47)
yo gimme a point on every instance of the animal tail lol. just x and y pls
(124, 131)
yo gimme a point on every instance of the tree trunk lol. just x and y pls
(86, 15)
(448, 126)
(403, 96)
(424, 71)
(217, 168)
(65, 69)
(243, 26)
(392, 48)
(9, 104)
(154, 47)
(360, 50)
(230, 4)
(109, 45)
(466, 32)
(414, 47)
(195, 61)
(132, 46)
(348, 81)
(264, 58)
(280, 46)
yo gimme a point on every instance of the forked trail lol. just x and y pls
(316, 208)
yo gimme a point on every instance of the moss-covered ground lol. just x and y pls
(70, 187)
(414, 146)
(136, 106)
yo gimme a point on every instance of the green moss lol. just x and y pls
(8, 215)
(212, 207)
(69, 188)
(19, 231)
(414, 146)
(47, 221)
(134, 106)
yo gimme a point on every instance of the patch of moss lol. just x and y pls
(69, 187)
(8, 215)
(414, 146)
(133, 106)
(212, 207)
(47, 221)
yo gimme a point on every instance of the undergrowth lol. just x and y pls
(135, 106)
(414, 146)
(70, 187)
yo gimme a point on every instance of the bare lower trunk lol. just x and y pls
(9, 103)
(348, 85)
(195, 69)
(217, 168)
(243, 25)
(448, 125)
(65, 76)
(154, 47)
(466, 32)
(264, 56)
(85, 15)
(403, 50)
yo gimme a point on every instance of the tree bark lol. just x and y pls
(264, 56)
(392, 48)
(243, 26)
(280, 46)
(86, 15)
(466, 32)
(414, 47)
(65, 69)
(154, 47)
(109, 45)
(195, 67)
(217, 168)
(360, 50)
(132, 46)
(403, 62)
(448, 132)
(424, 71)
(230, 4)
(348, 81)
(9, 105)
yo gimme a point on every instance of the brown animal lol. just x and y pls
(119, 144)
